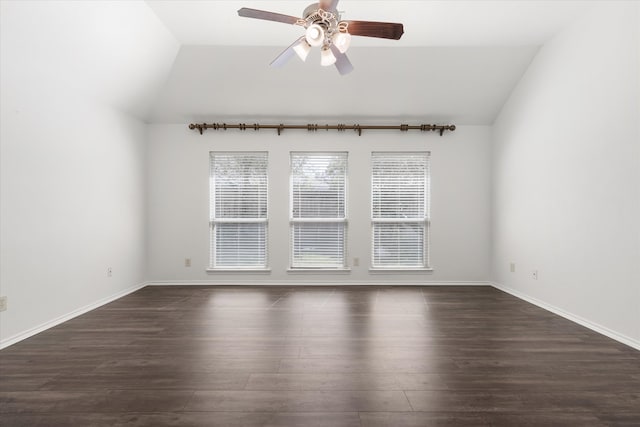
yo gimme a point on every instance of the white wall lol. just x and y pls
(75, 173)
(178, 205)
(566, 175)
(72, 205)
(72, 165)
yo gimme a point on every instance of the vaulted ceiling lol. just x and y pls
(178, 61)
(457, 61)
(426, 23)
(460, 84)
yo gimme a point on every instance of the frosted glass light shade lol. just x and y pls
(314, 35)
(327, 58)
(302, 49)
(342, 41)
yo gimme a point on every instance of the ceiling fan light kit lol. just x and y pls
(342, 41)
(302, 49)
(315, 35)
(324, 29)
(327, 57)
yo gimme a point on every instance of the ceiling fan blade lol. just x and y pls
(267, 16)
(286, 55)
(383, 30)
(343, 64)
(328, 5)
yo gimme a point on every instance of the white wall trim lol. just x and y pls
(75, 313)
(570, 316)
(313, 283)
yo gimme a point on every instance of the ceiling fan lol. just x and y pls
(324, 29)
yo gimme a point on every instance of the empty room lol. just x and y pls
(341, 213)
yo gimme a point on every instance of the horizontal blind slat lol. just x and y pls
(238, 211)
(318, 192)
(318, 244)
(399, 209)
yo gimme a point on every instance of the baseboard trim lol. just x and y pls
(570, 316)
(312, 283)
(61, 319)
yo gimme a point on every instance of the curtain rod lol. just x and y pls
(315, 127)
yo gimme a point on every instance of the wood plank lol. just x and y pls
(319, 356)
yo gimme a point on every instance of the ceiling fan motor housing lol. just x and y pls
(310, 10)
(321, 25)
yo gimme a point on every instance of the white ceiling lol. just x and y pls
(466, 85)
(179, 61)
(114, 51)
(457, 62)
(426, 23)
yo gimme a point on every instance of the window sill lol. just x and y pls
(319, 270)
(237, 270)
(401, 270)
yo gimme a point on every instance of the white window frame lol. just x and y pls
(293, 221)
(215, 220)
(423, 221)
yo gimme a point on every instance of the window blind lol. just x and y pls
(400, 209)
(318, 209)
(238, 209)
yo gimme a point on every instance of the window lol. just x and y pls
(400, 210)
(318, 210)
(238, 210)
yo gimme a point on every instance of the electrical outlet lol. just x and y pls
(187, 262)
(534, 274)
(3, 303)
(512, 267)
(356, 262)
(109, 272)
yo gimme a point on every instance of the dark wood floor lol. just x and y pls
(316, 356)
